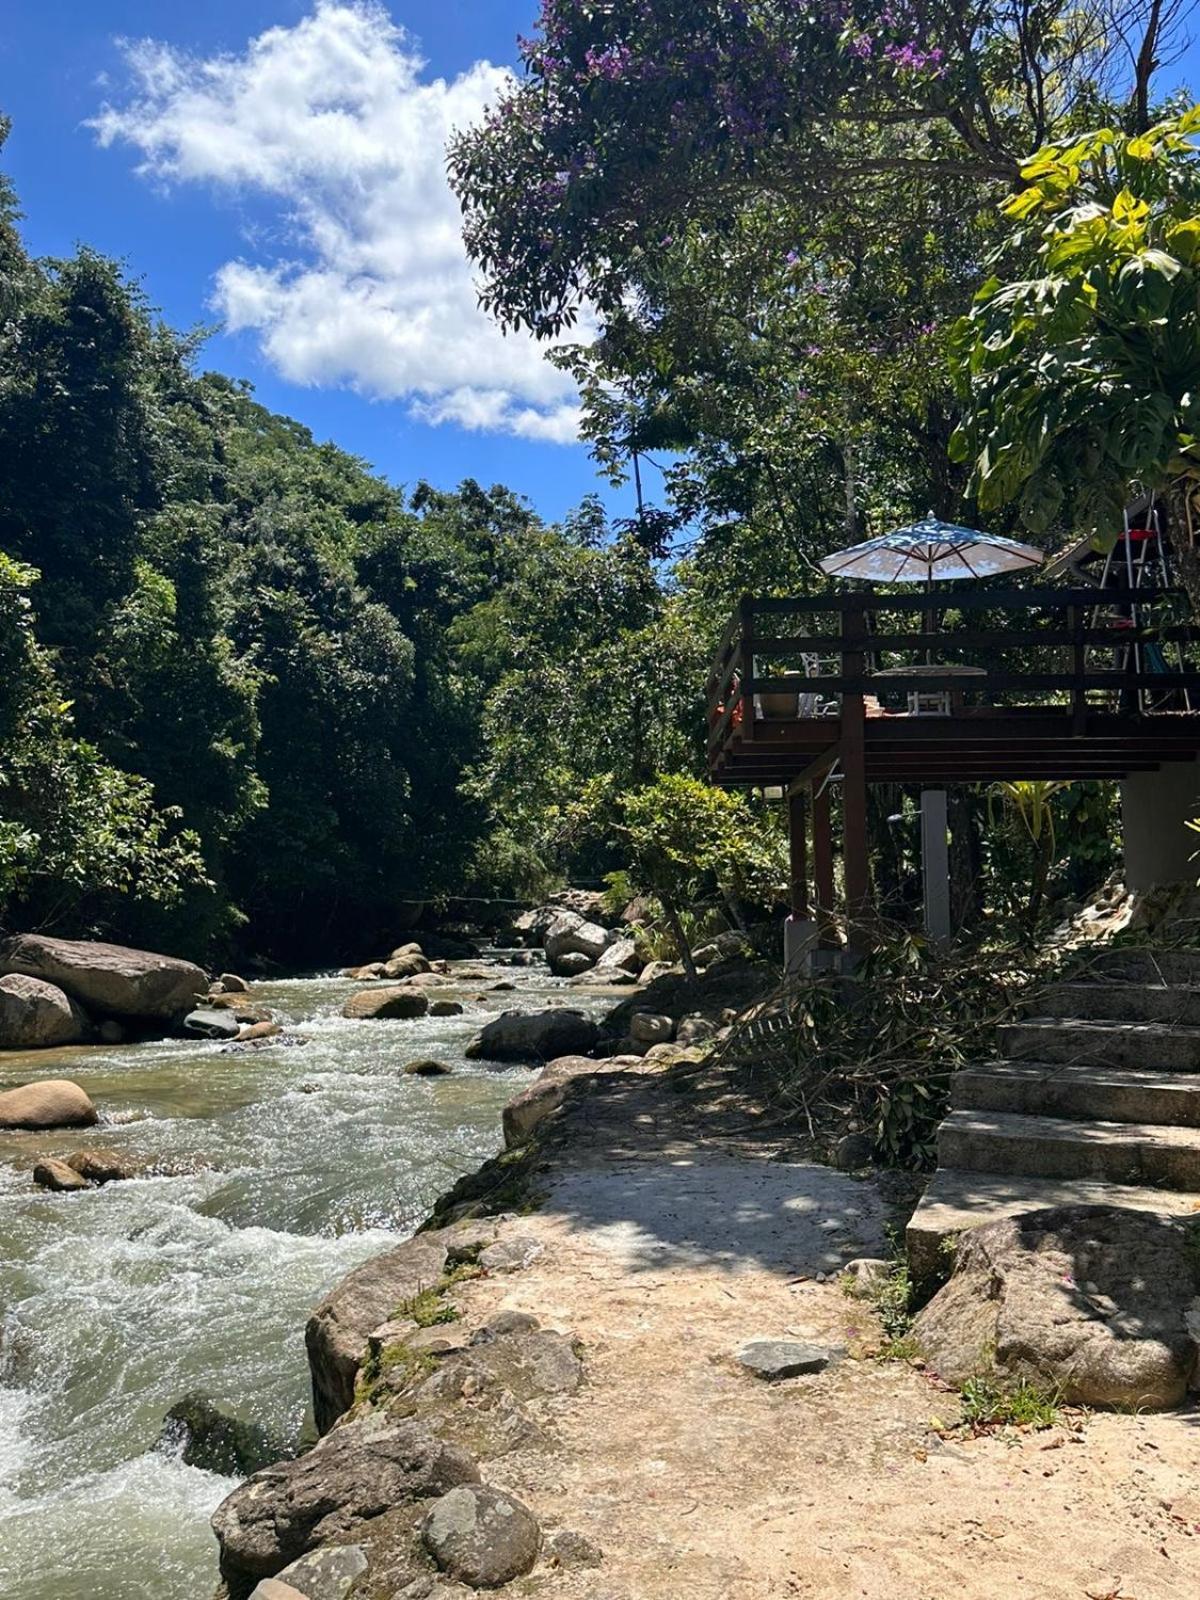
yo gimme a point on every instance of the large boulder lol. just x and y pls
(533, 1036)
(570, 935)
(35, 1014)
(482, 1536)
(339, 1329)
(407, 962)
(621, 959)
(526, 1110)
(203, 1434)
(386, 1005)
(356, 1473)
(211, 1022)
(49, 1103)
(107, 978)
(1096, 1303)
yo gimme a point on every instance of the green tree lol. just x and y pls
(1081, 376)
(683, 838)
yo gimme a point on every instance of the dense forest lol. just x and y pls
(250, 684)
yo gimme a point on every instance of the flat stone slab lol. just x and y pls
(773, 1359)
(510, 1255)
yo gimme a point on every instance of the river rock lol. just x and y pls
(569, 934)
(694, 1030)
(852, 1151)
(526, 1110)
(275, 1589)
(572, 965)
(533, 1036)
(783, 1358)
(208, 1023)
(108, 978)
(205, 1435)
(354, 1474)
(648, 1028)
(373, 969)
(326, 1574)
(103, 1166)
(386, 1005)
(721, 948)
(445, 1008)
(49, 1103)
(1094, 1302)
(573, 1549)
(621, 959)
(110, 1031)
(338, 1330)
(426, 1069)
(654, 970)
(259, 1030)
(230, 983)
(408, 962)
(482, 1536)
(35, 1015)
(57, 1175)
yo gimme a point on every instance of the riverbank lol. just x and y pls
(656, 1227)
(288, 1166)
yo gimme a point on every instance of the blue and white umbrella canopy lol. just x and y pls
(929, 551)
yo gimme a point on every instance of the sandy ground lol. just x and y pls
(666, 1245)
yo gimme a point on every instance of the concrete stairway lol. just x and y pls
(1096, 1101)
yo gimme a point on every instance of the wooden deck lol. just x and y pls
(1030, 683)
(1052, 694)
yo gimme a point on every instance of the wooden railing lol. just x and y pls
(1047, 643)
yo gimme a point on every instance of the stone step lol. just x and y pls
(1146, 1155)
(1076, 1089)
(957, 1200)
(1110, 1000)
(1144, 965)
(1157, 1046)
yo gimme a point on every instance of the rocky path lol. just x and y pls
(663, 1240)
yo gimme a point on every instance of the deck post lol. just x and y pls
(856, 864)
(935, 862)
(798, 854)
(799, 931)
(823, 864)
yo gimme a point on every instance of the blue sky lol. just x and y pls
(273, 168)
(267, 234)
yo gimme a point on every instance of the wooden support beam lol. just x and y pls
(814, 771)
(855, 863)
(822, 827)
(798, 854)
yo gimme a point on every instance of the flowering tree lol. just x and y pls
(774, 209)
(633, 114)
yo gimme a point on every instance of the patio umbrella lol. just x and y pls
(930, 551)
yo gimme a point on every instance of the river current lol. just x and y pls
(293, 1166)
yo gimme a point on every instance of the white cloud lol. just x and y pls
(333, 122)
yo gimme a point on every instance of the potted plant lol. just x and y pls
(777, 703)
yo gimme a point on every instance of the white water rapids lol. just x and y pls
(117, 1302)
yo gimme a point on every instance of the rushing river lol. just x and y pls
(295, 1165)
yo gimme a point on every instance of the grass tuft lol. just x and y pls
(987, 1403)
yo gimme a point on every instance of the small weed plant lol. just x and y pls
(989, 1403)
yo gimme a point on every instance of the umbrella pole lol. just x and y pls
(930, 619)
